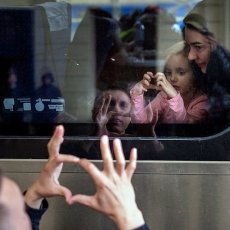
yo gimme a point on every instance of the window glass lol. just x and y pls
(146, 72)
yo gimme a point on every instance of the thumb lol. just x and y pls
(63, 191)
(83, 200)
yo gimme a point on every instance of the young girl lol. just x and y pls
(178, 100)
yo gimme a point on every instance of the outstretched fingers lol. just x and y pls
(106, 155)
(55, 141)
(130, 169)
(119, 155)
(120, 159)
(105, 104)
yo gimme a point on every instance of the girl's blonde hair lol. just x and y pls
(177, 48)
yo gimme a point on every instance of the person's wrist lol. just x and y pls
(32, 198)
(136, 91)
(102, 130)
(129, 222)
(172, 94)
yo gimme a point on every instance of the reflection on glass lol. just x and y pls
(89, 48)
(49, 101)
(178, 100)
(211, 64)
(111, 112)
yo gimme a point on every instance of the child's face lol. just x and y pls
(120, 105)
(179, 73)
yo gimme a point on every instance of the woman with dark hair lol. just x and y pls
(211, 65)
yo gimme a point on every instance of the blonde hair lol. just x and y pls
(177, 48)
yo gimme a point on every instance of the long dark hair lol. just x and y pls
(197, 23)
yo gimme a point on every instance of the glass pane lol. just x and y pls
(140, 71)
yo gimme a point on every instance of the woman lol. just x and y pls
(211, 65)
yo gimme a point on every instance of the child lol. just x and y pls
(178, 100)
(111, 112)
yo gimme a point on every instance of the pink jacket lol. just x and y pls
(169, 110)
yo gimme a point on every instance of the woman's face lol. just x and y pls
(199, 48)
(120, 106)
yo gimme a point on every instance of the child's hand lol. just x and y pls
(143, 85)
(147, 82)
(163, 84)
(102, 115)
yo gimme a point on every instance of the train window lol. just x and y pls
(155, 75)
